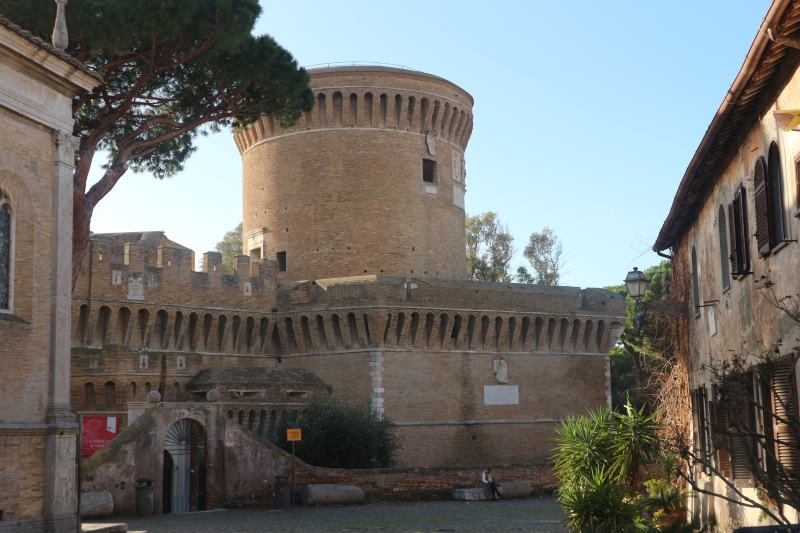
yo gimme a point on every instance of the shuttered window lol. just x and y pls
(722, 226)
(695, 283)
(738, 236)
(702, 424)
(785, 418)
(771, 227)
(777, 217)
(797, 182)
(720, 427)
(762, 207)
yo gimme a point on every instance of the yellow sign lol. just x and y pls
(294, 435)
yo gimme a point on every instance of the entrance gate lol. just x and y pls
(184, 478)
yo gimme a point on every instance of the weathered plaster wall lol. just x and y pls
(740, 319)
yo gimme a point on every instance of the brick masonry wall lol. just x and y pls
(422, 355)
(341, 192)
(242, 468)
(26, 170)
(21, 475)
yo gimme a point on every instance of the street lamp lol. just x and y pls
(636, 283)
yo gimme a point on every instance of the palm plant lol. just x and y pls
(599, 461)
(634, 444)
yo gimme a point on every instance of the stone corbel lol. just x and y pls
(66, 145)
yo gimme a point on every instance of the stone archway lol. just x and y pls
(185, 473)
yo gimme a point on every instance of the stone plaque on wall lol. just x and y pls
(500, 395)
(135, 286)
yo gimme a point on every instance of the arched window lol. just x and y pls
(725, 271)
(88, 395)
(6, 251)
(695, 283)
(111, 394)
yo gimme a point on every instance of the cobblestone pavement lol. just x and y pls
(523, 515)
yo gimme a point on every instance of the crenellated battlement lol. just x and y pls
(147, 266)
(376, 98)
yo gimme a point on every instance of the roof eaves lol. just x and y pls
(693, 187)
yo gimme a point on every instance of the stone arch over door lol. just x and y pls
(185, 479)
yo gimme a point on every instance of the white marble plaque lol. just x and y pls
(135, 286)
(500, 395)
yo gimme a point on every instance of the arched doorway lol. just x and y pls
(184, 480)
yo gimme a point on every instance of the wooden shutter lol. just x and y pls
(784, 407)
(734, 255)
(762, 207)
(744, 233)
(741, 449)
(719, 426)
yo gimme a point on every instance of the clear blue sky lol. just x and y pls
(586, 113)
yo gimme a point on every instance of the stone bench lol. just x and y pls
(96, 504)
(509, 489)
(322, 494)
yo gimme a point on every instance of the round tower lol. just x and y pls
(371, 181)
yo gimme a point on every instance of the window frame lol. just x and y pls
(776, 196)
(697, 299)
(724, 249)
(738, 235)
(6, 202)
(435, 171)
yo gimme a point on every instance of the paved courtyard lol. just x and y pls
(531, 514)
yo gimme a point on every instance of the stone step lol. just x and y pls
(89, 527)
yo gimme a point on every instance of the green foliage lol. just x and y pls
(664, 498)
(172, 69)
(634, 444)
(489, 248)
(340, 435)
(623, 379)
(543, 252)
(647, 346)
(599, 461)
(582, 447)
(230, 246)
(651, 338)
(601, 504)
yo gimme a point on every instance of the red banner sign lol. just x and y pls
(97, 432)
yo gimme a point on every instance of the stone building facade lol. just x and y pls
(37, 427)
(353, 271)
(732, 232)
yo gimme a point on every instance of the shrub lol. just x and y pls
(599, 460)
(340, 435)
(601, 504)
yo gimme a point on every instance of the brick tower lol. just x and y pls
(371, 181)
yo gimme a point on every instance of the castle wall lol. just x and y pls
(420, 350)
(243, 467)
(343, 192)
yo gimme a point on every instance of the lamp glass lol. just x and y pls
(636, 283)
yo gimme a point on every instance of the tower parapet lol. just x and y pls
(371, 181)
